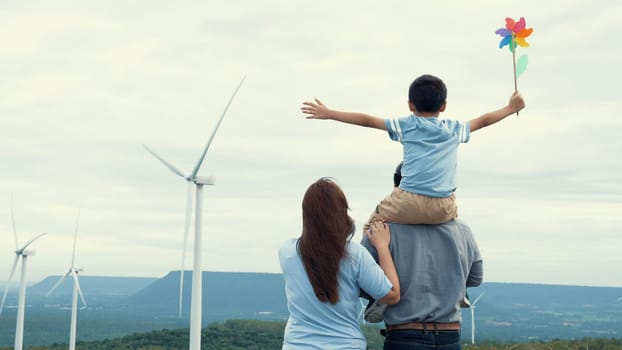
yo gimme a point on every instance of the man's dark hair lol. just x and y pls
(427, 93)
(397, 175)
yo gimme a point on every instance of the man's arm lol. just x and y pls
(516, 104)
(476, 274)
(317, 110)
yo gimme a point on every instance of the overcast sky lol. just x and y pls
(85, 84)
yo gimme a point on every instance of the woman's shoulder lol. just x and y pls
(355, 249)
(289, 244)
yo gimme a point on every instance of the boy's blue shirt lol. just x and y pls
(430, 147)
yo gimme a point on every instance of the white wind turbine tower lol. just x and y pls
(20, 252)
(472, 307)
(73, 272)
(199, 182)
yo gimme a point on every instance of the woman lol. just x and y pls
(324, 272)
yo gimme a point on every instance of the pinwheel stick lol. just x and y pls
(514, 65)
(513, 45)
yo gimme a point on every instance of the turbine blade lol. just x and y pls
(75, 238)
(21, 250)
(8, 283)
(185, 244)
(209, 142)
(76, 280)
(13, 222)
(58, 283)
(166, 163)
(484, 292)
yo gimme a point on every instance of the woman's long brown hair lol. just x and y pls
(326, 227)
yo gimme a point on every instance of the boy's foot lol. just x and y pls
(465, 302)
(374, 312)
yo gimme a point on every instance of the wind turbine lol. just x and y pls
(20, 252)
(199, 182)
(472, 307)
(73, 272)
(619, 299)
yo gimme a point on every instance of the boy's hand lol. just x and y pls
(315, 110)
(516, 102)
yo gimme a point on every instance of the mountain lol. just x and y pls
(225, 295)
(93, 285)
(546, 294)
(507, 311)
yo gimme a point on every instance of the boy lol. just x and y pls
(425, 196)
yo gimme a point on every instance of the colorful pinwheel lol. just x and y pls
(513, 34)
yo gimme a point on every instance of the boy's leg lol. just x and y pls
(374, 312)
(377, 215)
(404, 207)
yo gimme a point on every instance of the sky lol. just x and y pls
(85, 84)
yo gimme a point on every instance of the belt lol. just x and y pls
(425, 326)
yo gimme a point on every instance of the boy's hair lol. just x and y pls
(427, 93)
(397, 175)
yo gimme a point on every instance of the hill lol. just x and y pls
(94, 285)
(226, 295)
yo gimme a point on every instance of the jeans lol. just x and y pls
(422, 340)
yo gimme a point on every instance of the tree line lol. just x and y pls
(268, 335)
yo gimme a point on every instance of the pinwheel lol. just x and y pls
(513, 34)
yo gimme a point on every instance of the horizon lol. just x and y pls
(86, 85)
(30, 283)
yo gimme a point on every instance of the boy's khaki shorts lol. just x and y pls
(405, 207)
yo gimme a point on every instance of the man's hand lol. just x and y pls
(315, 110)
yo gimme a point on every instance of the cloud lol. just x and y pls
(85, 85)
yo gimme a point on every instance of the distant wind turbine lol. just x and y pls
(619, 299)
(472, 306)
(20, 252)
(73, 272)
(199, 182)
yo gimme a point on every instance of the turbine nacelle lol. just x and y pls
(20, 251)
(204, 180)
(28, 252)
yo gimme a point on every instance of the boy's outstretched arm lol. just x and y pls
(317, 110)
(516, 104)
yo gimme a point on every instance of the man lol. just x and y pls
(435, 264)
